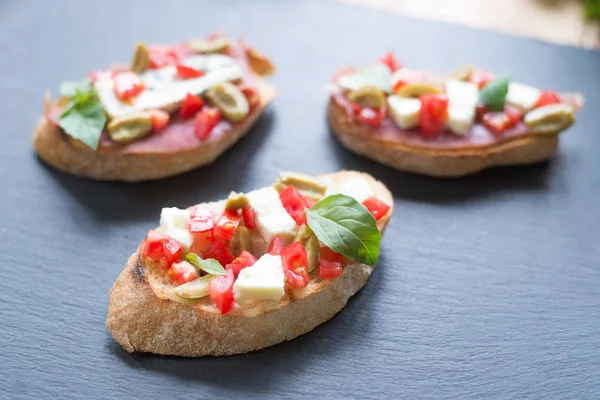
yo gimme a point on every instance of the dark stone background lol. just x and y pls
(487, 286)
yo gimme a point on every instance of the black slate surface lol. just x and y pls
(487, 287)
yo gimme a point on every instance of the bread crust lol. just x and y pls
(56, 149)
(447, 163)
(141, 319)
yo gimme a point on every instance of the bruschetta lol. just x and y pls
(174, 108)
(445, 125)
(253, 270)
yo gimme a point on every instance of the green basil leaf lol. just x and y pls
(84, 121)
(209, 265)
(377, 74)
(493, 95)
(346, 227)
(70, 88)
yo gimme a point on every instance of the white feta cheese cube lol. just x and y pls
(404, 111)
(522, 96)
(463, 98)
(271, 217)
(262, 281)
(174, 223)
(357, 188)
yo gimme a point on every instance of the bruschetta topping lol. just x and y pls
(468, 103)
(206, 80)
(227, 241)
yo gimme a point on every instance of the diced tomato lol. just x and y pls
(433, 114)
(163, 56)
(325, 253)
(201, 220)
(480, 78)
(309, 202)
(206, 120)
(219, 252)
(191, 105)
(480, 111)
(127, 86)
(182, 272)
(99, 74)
(376, 207)
(496, 122)
(371, 116)
(249, 215)
(390, 60)
(329, 269)
(227, 224)
(295, 263)
(251, 95)
(220, 290)
(294, 204)
(185, 72)
(159, 118)
(547, 97)
(159, 57)
(178, 52)
(245, 259)
(276, 245)
(513, 113)
(160, 247)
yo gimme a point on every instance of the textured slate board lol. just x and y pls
(488, 286)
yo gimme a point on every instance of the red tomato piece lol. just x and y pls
(127, 86)
(514, 115)
(376, 207)
(276, 245)
(249, 215)
(227, 224)
(219, 252)
(99, 74)
(295, 263)
(201, 220)
(547, 97)
(185, 72)
(245, 259)
(389, 59)
(191, 105)
(329, 269)
(309, 202)
(480, 111)
(182, 272)
(159, 118)
(206, 120)
(480, 78)
(325, 253)
(159, 57)
(371, 116)
(160, 247)
(496, 122)
(220, 290)
(433, 114)
(251, 95)
(294, 204)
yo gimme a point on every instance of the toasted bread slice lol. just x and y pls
(448, 163)
(60, 151)
(145, 316)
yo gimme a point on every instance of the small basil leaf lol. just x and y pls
(346, 227)
(84, 121)
(493, 95)
(209, 265)
(377, 74)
